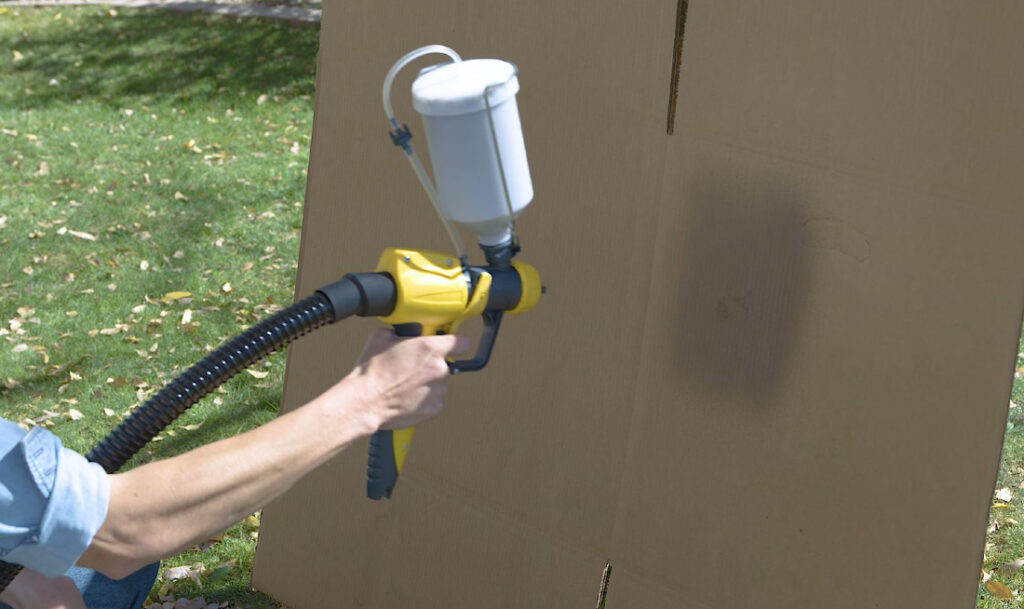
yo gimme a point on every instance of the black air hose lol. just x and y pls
(213, 370)
(361, 294)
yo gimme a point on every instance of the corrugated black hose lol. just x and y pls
(364, 294)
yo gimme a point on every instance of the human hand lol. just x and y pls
(402, 379)
(32, 590)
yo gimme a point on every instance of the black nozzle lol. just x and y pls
(500, 255)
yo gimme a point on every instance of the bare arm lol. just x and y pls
(160, 508)
(31, 590)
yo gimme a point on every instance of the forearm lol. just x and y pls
(162, 507)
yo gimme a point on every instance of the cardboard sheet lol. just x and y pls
(773, 364)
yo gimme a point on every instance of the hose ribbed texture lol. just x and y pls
(179, 395)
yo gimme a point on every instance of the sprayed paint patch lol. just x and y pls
(836, 235)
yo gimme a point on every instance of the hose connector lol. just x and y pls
(362, 294)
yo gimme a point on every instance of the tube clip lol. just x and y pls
(400, 137)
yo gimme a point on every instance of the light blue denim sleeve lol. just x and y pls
(52, 501)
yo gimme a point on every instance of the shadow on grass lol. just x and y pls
(144, 54)
(224, 422)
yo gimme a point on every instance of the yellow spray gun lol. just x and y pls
(483, 182)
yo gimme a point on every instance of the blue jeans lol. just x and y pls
(101, 592)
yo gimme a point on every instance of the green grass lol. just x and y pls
(144, 153)
(1005, 541)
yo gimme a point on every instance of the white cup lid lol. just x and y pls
(458, 87)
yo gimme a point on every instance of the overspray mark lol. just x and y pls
(836, 235)
(677, 62)
(602, 594)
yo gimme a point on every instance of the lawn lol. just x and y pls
(153, 166)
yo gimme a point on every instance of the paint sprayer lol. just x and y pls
(476, 146)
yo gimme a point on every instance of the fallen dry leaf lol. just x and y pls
(82, 235)
(1012, 567)
(192, 572)
(998, 590)
(170, 297)
(74, 415)
(108, 412)
(17, 55)
(186, 317)
(257, 374)
(1004, 495)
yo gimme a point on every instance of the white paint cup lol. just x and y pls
(467, 167)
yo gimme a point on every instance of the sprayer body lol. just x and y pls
(433, 294)
(475, 137)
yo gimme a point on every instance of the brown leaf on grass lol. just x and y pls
(209, 543)
(74, 414)
(170, 297)
(42, 351)
(257, 374)
(1011, 567)
(999, 590)
(1004, 495)
(192, 572)
(82, 235)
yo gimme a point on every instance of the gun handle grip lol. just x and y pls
(388, 447)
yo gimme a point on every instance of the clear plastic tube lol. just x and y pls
(410, 154)
(404, 61)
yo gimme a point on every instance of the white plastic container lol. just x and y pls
(450, 99)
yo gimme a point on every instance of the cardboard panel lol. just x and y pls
(796, 453)
(773, 364)
(513, 436)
